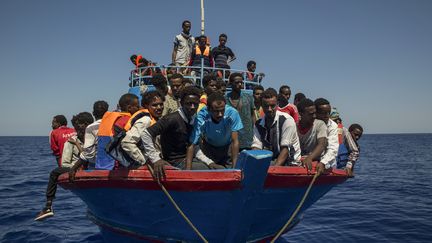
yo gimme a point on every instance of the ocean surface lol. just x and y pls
(389, 200)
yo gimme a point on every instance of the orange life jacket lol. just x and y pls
(105, 135)
(137, 115)
(340, 133)
(206, 51)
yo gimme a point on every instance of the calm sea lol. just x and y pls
(389, 200)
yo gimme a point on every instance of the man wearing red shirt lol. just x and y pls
(284, 105)
(59, 135)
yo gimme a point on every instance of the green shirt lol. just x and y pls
(170, 105)
(245, 107)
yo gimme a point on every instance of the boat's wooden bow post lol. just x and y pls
(254, 165)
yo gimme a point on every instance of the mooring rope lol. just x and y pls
(296, 211)
(176, 206)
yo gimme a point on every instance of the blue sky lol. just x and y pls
(371, 59)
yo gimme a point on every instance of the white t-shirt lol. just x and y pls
(309, 140)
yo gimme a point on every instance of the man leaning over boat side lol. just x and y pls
(71, 151)
(153, 105)
(323, 109)
(215, 132)
(88, 156)
(174, 130)
(276, 131)
(350, 139)
(183, 45)
(312, 135)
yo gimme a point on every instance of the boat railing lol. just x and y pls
(143, 75)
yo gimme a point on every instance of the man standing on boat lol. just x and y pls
(183, 45)
(217, 127)
(174, 130)
(223, 55)
(201, 53)
(276, 131)
(312, 135)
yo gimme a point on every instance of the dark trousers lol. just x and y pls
(52, 183)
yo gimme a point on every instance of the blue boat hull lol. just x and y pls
(249, 204)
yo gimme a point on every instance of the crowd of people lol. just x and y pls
(192, 128)
(189, 52)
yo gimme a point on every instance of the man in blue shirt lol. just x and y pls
(215, 131)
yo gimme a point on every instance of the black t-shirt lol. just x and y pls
(174, 135)
(221, 54)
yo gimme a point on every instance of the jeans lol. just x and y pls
(52, 183)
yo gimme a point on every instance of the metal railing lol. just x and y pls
(143, 75)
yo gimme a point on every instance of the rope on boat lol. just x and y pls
(176, 206)
(296, 211)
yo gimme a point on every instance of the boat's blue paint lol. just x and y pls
(254, 165)
(275, 206)
(249, 213)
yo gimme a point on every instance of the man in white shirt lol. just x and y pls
(153, 103)
(90, 138)
(323, 110)
(183, 44)
(312, 135)
(277, 132)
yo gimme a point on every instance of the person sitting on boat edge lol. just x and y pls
(174, 130)
(153, 105)
(283, 102)
(161, 85)
(312, 135)
(210, 86)
(323, 109)
(244, 104)
(276, 131)
(257, 91)
(59, 136)
(215, 132)
(113, 124)
(348, 157)
(183, 45)
(70, 156)
(88, 154)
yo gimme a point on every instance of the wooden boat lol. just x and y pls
(248, 204)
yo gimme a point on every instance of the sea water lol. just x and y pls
(389, 200)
